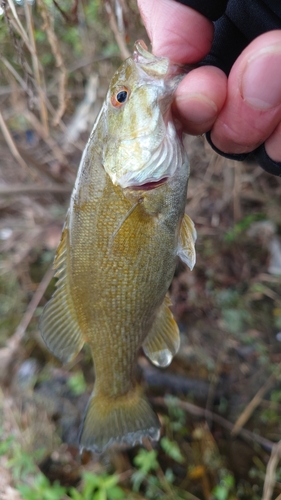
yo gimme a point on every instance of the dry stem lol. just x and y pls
(118, 36)
(58, 154)
(11, 144)
(20, 331)
(17, 189)
(36, 69)
(55, 46)
(202, 412)
(270, 477)
(19, 27)
(10, 353)
(254, 403)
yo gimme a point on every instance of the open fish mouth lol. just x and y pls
(148, 186)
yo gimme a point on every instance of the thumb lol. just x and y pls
(176, 31)
(253, 107)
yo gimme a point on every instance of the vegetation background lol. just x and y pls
(220, 400)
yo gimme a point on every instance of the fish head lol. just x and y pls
(142, 144)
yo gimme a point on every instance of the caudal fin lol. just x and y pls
(127, 419)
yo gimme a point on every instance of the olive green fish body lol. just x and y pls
(117, 284)
(116, 260)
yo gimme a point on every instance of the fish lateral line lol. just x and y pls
(127, 215)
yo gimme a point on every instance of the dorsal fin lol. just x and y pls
(186, 249)
(163, 340)
(58, 323)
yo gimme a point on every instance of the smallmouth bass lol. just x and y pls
(123, 232)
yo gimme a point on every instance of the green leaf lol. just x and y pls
(91, 482)
(222, 490)
(109, 481)
(6, 445)
(137, 479)
(21, 464)
(241, 226)
(27, 492)
(169, 475)
(220, 493)
(41, 482)
(75, 495)
(171, 448)
(146, 460)
(77, 383)
(275, 396)
(100, 495)
(54, 492)
(115, 493)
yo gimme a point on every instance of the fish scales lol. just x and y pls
(124, 229)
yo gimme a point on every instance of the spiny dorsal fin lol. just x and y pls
(163, 340)
(58, 324)
(186, 249)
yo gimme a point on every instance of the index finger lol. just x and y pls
(176, 31)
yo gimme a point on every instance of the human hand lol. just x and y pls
(242, 111)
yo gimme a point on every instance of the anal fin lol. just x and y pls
(163, 340)
(58, 324)
(188, 235)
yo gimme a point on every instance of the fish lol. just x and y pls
(124, 231)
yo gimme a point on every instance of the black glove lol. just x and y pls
(237, 23)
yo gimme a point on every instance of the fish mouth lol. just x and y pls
(148, 186)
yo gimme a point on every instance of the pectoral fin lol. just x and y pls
(58, 324)
(163, 340)
(186, 249)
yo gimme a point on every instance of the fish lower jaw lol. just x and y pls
(148, 186)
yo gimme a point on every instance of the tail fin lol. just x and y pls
(127, 419)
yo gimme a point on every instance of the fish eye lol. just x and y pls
(122, 96)
(119, 97)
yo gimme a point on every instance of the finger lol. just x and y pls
(273, 144)
(253, 107)
(176, 31)
(199, 99)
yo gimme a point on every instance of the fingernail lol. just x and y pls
(261, 81)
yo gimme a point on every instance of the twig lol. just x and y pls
(10, 353)
(254, 403)
(118, 36)
(159, 472)
(202, 412)
(19, 333)
(237, 211)
(11, 144)
(19, 27)
(55, 46)
(36, 69)
(71, 19)
(33, 189)
(17, 76)
(270, 477)
(28, 90)
(215, 378)
(58, 154)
